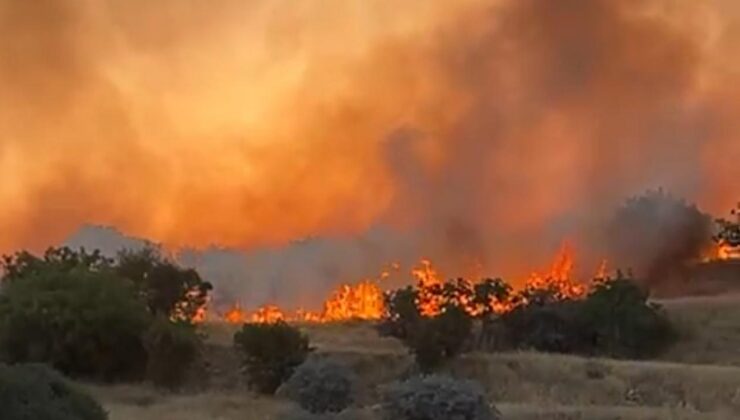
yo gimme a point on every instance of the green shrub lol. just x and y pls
(23, 264)
(168, 289)
(437, 398)
(171, 347)
(35, 392)
(320, 386)
(618, 321)
(615, 319)
(271, 352)
(402, 313)
(435, 340)
(549, 327)
(82, 322)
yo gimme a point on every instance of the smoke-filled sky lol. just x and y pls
(474, 130)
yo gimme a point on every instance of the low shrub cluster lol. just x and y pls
(34, 392)
(168, 289)
(437, 397)
(320, 386)
(76, 312)
(435, 339)
(270, 352)
(615, 319)
(474, 299)
(82, 322)
(171, 348)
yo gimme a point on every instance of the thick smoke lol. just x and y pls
(478, 134)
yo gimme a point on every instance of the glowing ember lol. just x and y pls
(725, 252)
(268, 314)
(235, 315)
(200, 315)
(721, 251)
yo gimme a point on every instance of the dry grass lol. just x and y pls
(710, 327)
(698, 379)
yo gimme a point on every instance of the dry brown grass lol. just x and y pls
(698, 379)
(710, 327)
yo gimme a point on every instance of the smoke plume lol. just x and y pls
(476, 133)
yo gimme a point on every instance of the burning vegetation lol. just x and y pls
(659, 215)
(367, 300)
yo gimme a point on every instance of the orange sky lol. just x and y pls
(250, 123)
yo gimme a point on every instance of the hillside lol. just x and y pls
(698, 379)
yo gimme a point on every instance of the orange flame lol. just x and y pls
(559, 278)
(362, 301)
(365, 300)
(268, 314)
(428, 280)
(235, 315)
(721, 251)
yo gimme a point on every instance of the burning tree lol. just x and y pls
(729, 230)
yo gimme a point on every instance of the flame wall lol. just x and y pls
(476, 133)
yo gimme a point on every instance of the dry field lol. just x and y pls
(698, 379)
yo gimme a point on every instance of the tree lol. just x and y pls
(271, 352)
(657, 235)
(168, 289)
(62, 259)
(435, 340)
(83, 322)
(729, 230)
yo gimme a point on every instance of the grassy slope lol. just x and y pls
(699, 378)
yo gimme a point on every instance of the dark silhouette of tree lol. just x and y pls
(62, 259)
(729, 230)
(167, 288)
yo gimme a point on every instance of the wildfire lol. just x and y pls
(428, 280)
(365, 300)
(726, 251)
(268, 314)
(559, 278)
(361, 301)
(721, 251)
(235, 315)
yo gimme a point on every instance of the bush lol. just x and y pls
(437, 398)
(320, 386)
(402, 313)
(82, 322)
(437, 339)
(34, 392)
(547, 327)
(271, 353)
(618, 321)
(23, 264)
(171, 347)
(729, 230)
(615, 319)
(168, 289)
